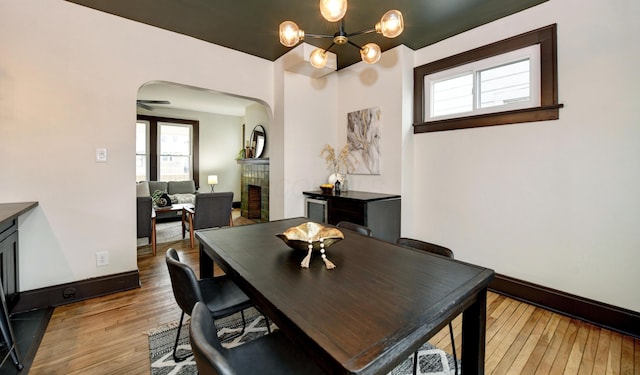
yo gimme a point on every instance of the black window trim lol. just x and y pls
(548, 109)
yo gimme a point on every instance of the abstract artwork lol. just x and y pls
(363, 138)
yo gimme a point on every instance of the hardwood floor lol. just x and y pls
(106, 335)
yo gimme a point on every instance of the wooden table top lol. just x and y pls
(377, 306)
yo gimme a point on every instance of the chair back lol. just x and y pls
(365, 231)
(205, 344)
(212, 210)
(186, 289)
(426, 246)
(143, 216)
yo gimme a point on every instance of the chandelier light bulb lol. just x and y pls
(391, 24)
(333, 10)
(370, 53)
(290, 34)
(318, 58)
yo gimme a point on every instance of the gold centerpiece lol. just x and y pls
(311, 236)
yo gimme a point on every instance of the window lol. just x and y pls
(504, 82)
(507, 82)
(167, 149)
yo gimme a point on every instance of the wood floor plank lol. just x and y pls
(562, 356)
(577, 350)
(602, 353)
(497, 348)
(527, 360)
(627, 355)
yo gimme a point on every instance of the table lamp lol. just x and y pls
(212, 180)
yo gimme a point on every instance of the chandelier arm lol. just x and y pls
(353, 44)
(318, 36)
(328, 48)
(367, 31)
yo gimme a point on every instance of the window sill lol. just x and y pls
(490, 119)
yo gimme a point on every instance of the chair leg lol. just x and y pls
(453, 348)
(244, 327)
(415, 363)
(175, 346)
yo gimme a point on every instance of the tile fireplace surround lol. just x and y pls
(255, 173)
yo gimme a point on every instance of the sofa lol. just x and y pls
(178, 192)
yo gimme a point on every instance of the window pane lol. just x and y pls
(141, 138)
(175, 140)
(453, 95)
(504, 84)
(141, 152)
(175, 168)
(175, 152)
(141, 168)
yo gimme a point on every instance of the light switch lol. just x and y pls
(101, 155)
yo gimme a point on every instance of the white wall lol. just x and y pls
(555, 203)
(309, 124)
(69, 77)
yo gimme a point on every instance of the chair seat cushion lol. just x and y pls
(267, 354)
(222, 296)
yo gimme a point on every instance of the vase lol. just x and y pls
(333, 178)
(344, 186)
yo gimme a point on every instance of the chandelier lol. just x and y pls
(391, 25)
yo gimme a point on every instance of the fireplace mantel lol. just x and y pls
(253, 161)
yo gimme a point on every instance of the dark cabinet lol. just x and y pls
(380, 212)
(9, 260)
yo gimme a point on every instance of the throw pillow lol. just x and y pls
(142, 189)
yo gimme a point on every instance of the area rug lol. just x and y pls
(432, 360)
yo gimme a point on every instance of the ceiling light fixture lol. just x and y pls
(391, 25)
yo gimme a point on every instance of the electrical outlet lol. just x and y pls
(102, 258)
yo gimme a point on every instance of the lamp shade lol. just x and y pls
(290, 33)
(333, 10)
(318, 58)
(391, 24)
(212, 179)
(370, 53)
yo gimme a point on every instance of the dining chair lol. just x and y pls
(434, 249)
(364, 230)
(211, 210)
(219, 295)
(269, 354)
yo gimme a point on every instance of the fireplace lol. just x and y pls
(254, 199)
(254, 186)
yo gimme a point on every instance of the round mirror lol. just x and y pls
(258, 140)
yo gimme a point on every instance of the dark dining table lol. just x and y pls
(367, 315)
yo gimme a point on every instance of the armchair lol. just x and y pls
(211, 210)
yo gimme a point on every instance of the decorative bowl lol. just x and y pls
(326, 188)
(298, 237)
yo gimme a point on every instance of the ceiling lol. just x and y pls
(191, 99)
(251, 26)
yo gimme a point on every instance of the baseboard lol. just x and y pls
(601, 314)
(63, 294)
(235, 205)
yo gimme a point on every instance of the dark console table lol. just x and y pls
(380, 212)
(9, 278)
